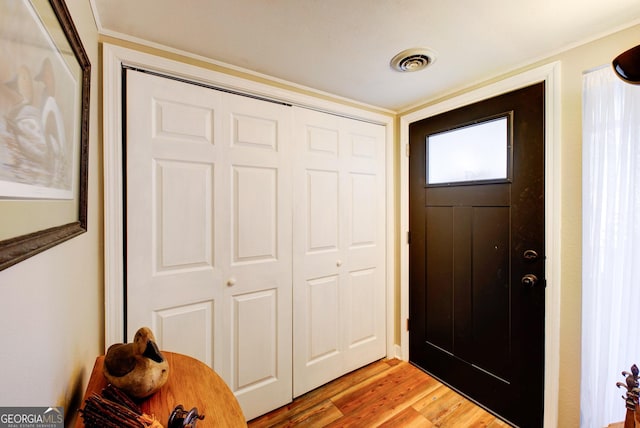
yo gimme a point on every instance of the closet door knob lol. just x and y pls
(339, 263)
(231, 282)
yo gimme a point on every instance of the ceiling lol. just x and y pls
(343, 47)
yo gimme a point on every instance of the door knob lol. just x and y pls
(231, 282)
(529, 280)
(339, 263)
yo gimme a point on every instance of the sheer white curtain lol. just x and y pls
(611, 243)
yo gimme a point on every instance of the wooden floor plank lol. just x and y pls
(443, 402)
(408, 418)
(374, 404)
(498, 423)
(373, 390)
(378, 410)
(387, 393)
(468, 414)
(317, 416)
(318, 395)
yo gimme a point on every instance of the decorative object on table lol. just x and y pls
(631, 397)
(44, 128)
(180, 418)
(138, 368)
(114, 409)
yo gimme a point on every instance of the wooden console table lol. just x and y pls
(192, 384)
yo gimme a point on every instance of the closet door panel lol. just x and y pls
(254, 214)
(338, 250)
(173, 273)
(365, 243)
(209, 231)
(257, 286)
(197, 318)
(184, 217)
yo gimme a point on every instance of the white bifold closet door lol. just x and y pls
(208, 231)
(339, 247)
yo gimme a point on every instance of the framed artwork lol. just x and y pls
(44, 125)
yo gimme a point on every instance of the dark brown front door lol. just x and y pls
(476, 265)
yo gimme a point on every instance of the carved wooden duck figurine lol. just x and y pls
(137, 368)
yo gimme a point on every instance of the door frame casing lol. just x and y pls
(550, 74)
(114, 58)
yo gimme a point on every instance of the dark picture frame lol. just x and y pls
(43, 215)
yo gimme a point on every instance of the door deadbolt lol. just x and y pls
(530, 255)
(529, 280)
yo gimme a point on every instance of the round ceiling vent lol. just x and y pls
(412, 59)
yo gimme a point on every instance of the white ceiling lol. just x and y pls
(343, 47)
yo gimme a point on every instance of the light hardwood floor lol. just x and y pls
(387, 393)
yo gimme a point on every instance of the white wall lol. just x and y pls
(51, 305)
